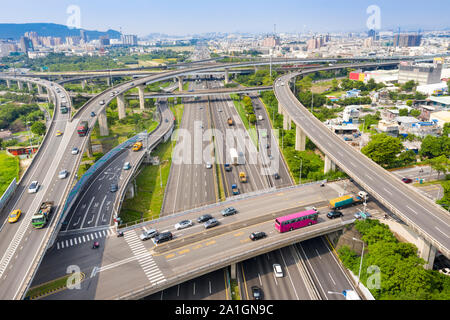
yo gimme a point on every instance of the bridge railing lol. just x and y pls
(147, 221)
(46, 137)
(293, 237)
(121, 194)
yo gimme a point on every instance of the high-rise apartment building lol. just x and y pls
(407, 40)
(26, 44)
(129, 39)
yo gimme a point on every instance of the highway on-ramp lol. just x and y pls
(427, 218)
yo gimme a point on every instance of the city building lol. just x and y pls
(129, 40)
(407, 40)
(388, 127)
(351, 114)
(440, 103)
(73, 41)
(421, 73)
(406, 121)
(26, 44)
(83, 36)
(104, 41)
(435, 88)
(441, 117)
(271, 41)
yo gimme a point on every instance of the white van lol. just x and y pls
(363, 195)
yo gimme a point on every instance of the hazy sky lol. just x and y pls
(199, 16)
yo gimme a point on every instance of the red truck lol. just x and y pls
(82, 129)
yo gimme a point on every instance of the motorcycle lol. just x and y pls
(96, 245)
(120, 234)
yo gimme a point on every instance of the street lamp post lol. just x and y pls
(29, 138)
(301, 167)
(362, 255)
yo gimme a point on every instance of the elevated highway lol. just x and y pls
(420, 213)
(22, 250)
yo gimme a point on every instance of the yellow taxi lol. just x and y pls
(14, 216)
(58, 133)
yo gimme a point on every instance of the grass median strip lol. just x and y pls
(50, 287)
(151, 182)
(10, 170)
(235, 295)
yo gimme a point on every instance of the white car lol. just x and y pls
(183, 224)
(75, 151)
(208, 165)
(278, 271)
(63, 174)
(102, 102)
(445, 271)
(34, 187)
(148, 234)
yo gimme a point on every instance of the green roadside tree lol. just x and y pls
(383, 149)
(334, 85)
(415, 113)
(446, 130)
(38, 128)
(433, 147)
(403, 112)
(440, 164)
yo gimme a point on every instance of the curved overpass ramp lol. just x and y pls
(428, 219)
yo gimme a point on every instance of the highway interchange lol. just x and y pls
(94, 216)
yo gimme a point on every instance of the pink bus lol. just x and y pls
(296, 220)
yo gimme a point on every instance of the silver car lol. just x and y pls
(148, 234)
(63, 174)
(183, 224)
(34, 187)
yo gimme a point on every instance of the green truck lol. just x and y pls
(345, 201)
(40, 218)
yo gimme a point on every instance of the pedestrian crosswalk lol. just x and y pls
(80, 239)
(144, 257)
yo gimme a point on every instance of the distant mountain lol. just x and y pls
(15, 31)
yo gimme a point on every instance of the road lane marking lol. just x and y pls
(442, 232)
(332, 278)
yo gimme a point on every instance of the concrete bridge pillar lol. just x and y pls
(8, 83)
(286, 121)
(30, 86)
(39, 89)
(233, 271)
(108, 81)
(83, 84)
(427, 252)
(180, 83)
(227, 76)
(103, 123)
(20, 85)
(329, 165)
(89, 148)
(300, 139)
(121, 106)
(130, 191)
(141, 89)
